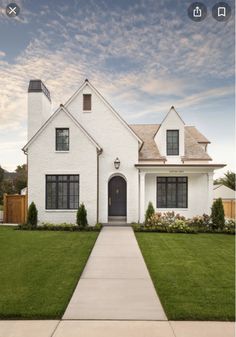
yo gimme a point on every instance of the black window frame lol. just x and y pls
(84, 96)
(164, 183)
(56, 140)
(170, 151)
(68, 181)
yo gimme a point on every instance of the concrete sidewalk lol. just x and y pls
(115, 284)
(115, 329)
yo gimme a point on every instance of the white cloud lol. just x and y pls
(167, 60)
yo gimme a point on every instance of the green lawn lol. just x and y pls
(193, 274)
(39, 271)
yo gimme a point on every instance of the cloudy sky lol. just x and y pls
(142, 55)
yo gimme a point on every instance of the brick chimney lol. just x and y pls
(39, 106)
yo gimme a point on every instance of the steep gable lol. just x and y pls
(101, 112)
(44, 126)
(150, 150)
(172, 121)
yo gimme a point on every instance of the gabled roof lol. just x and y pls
(61, 108)
(172, 109)
(87, 83)
(150, 151)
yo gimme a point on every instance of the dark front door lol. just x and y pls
(117, 197)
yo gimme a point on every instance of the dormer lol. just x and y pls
(170, 137)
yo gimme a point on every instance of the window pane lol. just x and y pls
(172, 192)
(172, 142)
(62, 139)
(171, 195)
(62, 191)
(62, 195)
(182, 195)
(51, 195)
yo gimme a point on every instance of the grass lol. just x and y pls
(193, 274)
(39, 271)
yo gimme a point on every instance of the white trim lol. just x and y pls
(62, 151)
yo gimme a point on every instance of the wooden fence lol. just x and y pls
(15, 208)
(229, 208)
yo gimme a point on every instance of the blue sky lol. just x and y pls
(142, 55)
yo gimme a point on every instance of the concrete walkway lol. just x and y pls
(115, 284)
(115, 329)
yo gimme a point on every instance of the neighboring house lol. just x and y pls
(23, 191)
(85, 152)
(223, 192)
(228, 198)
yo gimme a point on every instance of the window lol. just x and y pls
(172, 142)
(87, 102)
(62, 191)
(62, 139)
(172, 192)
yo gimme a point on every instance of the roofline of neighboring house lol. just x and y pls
(87, 83)
(61, 107)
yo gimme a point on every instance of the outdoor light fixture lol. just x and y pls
(117, 163)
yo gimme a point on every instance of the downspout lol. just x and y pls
(98, 154)
(139, 195)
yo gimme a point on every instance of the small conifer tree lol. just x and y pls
(81, 218)
(32, 217)
(218, 214)
(149, 212)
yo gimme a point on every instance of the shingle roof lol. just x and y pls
(146, 132)
(150, 151)
(194, 150)
(200, 138)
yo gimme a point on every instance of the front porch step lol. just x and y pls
(115, 223)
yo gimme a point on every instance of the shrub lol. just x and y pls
(81, 218)
(229, 227)
(218, 214)
(201, 223)
(32, 217)
(60, 227)
(149, 212)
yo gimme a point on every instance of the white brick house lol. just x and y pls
(85, 152)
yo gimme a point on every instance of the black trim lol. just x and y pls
(170, 151)
(177, 183)
(61, 143)
(68, 183)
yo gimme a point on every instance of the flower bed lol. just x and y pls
(170, 222)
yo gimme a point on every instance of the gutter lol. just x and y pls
(99, 151)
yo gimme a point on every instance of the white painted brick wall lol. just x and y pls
(81, 159)
(116, 141)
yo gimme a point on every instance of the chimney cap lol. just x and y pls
(39, 86)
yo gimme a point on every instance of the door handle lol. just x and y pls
(109, 201)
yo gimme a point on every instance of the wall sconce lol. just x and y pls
(117, 163)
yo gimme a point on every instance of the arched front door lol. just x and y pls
(117, 196)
